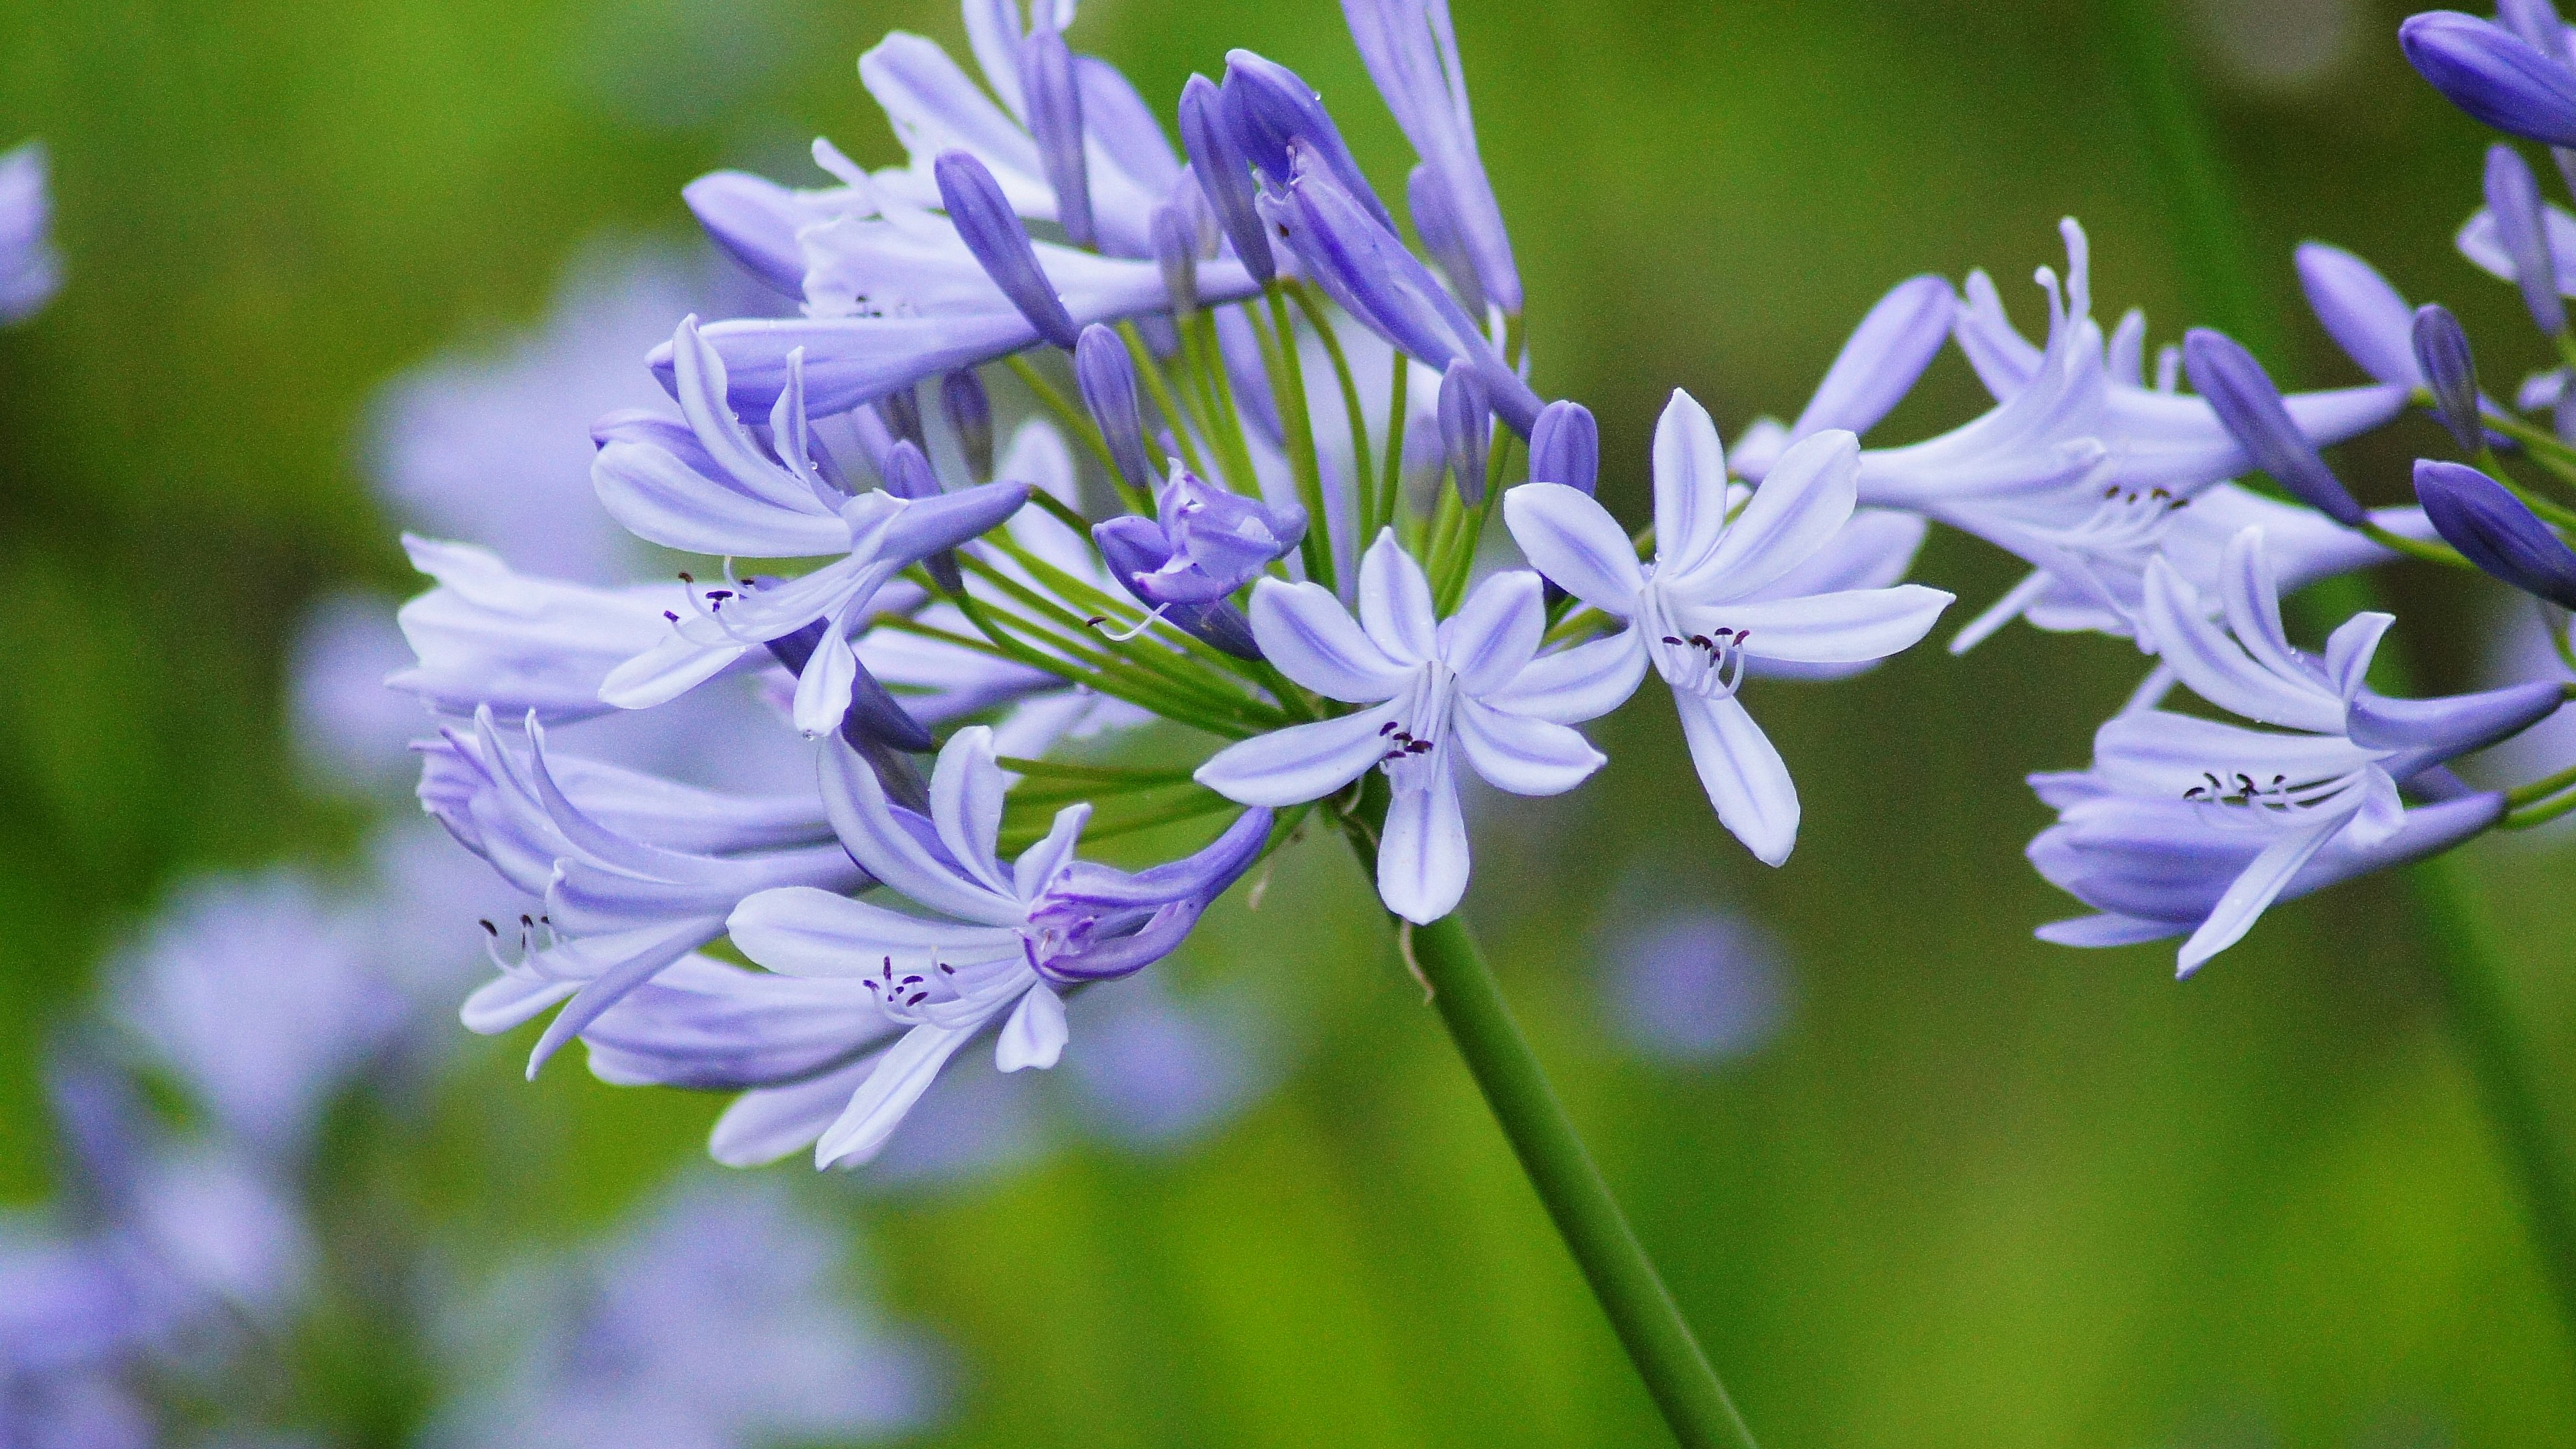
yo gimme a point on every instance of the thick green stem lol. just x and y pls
(1632, 1295)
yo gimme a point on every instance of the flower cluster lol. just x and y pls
(1261, 446)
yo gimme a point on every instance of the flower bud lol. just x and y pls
(1001, 245)
(1428, 200)
(2442, 351)
(908, 475)
(1224, 175)
(1107, 377)
(1466, 425)
(901, 411)
(2493, 74)
(1269, 105)
(2248, 404)
(1176, 251)
(1053, 96)
(970, 417)
(2496, 531)
(1565, 446)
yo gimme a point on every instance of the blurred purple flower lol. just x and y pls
(30, 269)
(1694, 985)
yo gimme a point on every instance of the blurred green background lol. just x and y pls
(1980, 1192)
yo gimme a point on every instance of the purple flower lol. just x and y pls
(1877, 366)
(1000, 243)
(1466, 426)
(1203, 544)
(2493, 74)
(1565, 447)
(2365, 316)
(2242, 394)
(2496, 531)
(1274, 115)
(1106, 377)
(2513, 200)
(1003, 939)
(2450, 373)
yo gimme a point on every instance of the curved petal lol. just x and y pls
(823, 687)
(869, 831)
(1313, 640)
(2252, 891)
(666, 671)
(966, 788)
(766, 1124)
(1574, 542)
(2212, 665)
(1743, 774)
(1039, 863)
(1035, 1034)
(1523, 755)
(1300, 763)
(1577, 684)
(898, 1079)
(1495, 633)
(802, 931)
(1395, 602)
(1844, 628)
(1422, 860)
(1804, 500)
(1690, 483)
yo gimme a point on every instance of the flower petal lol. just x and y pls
(1690, 483)
(1313, 640)
(1844, 628)
(1496, 632)
(869, 831)
(1035, 1034)
(2257, 887)
(1422, 860)
(1743, 774)
(1577, 684)
(1523, 755)
(877, 1108)
(1803, 501)
(1300, 763)
(765, 1125)
(1395, 602)
(1574, 542)
(802, 931)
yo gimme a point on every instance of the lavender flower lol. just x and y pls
(1877, 366)
(2496, 531)
(1473, 683)
(2242, 395)
(1004, 941)
(2450, 373)
(1707, 604)
(2365, 316)
(30, 270)
(1203, 544)
(2493, 74)
(1412, 55)
(2269, 801)
(714, 489)
(2513, 201)
(1565, 447)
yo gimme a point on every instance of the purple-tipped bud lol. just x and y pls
(994, 233)
(1107, 376)
(755, 221)
(970, 417)
(1428, 199)
(2442, 351)
(1176, 251)
(1268, 105)
(2493, 74)
(1565, 446)
(908, 475)
(2513, 199)
(1053, 96)
(1466, 426)
(874, 714)
(2496, 531)
(901, 412)
(1224, 175)
(2242, 394)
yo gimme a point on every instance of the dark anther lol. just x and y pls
(667, 614)
(1669, 639)
(917, 998)
(1387, 728)
(488, 926)
(685, 578)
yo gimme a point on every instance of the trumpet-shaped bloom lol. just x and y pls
(1705, 607)
(2496, 531)
(2270, 800)
(713, 488)
(1877, 366)
(1002, 941)
(2076, 425)
(1472, 686)
(1202, 544)
(635, 872)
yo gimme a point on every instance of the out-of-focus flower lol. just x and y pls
(1693, 984)
(30, 270)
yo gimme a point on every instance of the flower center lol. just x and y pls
(2242, 795)
(1414, 739)
(1705, 662)
(911, 997)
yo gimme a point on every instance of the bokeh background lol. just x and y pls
(1921, 1181)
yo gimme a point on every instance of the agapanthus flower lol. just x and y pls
(1202, 544)
(1878, 364)
(1709, 603)
(634, 872)
(1004, 939)
(1471, 687)
(712, 488)
(1412, 54)
(2260, 803)
(30, 271)
(2499, 77)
